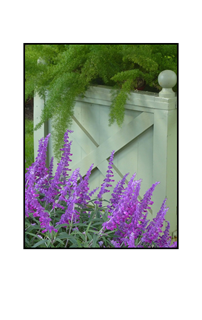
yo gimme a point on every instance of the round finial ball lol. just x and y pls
(167, 79)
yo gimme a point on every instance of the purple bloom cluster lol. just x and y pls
(127, 216)
(107, 181)
(129, 219)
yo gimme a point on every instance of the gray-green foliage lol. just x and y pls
(69, 70)
(87, 233)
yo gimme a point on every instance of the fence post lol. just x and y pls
(165, 147)
(43, 131)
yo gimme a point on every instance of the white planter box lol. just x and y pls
(146, 143)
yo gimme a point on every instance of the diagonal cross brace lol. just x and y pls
(126, 134)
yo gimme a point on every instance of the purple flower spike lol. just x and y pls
(117, 193)
(106, 180)
(83, 188)
(51, 168)
(65, 159)
(127, 215)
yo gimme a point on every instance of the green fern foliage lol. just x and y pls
(66, 71)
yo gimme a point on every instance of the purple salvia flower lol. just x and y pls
(50, 171)
(55, 186)
(40, 162)
(42, 183)
(139, 222)
(75, 229)
(116, 244)
(93, 191)
(117, 193)
(165, 239)
(106, 180)
(99, 196)
(31, 203)
(65, 159)
(131, 240)
(39, 165)
(174, 245)
(70, 186)
(146, 201)
(127, 214)
(154, 228)
(125, 207)
(83, 188)
(108, 175)
(60, 175)
(71, 190)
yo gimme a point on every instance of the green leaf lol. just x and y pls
(63, 235)
(105, 217)
(59, 241)
(74, 242)
(31, 234)
(97, 211)
(48, 243)
(93, 231)
(35, 220)
(79, 243)
(79, 233)
(79, 225)
(88, 227)
(97, 220)
(104, 240)
(74, 246)
(95, 238)
(59, 246)
(89, 236)
(97, 224)
(92, 215)
(86, 245)
(61, 225)
(27, 241)
(84, 208)
(67, 236)
(39, 243)
(110, 244)
(59, 211)
(30, 228)
(109, 232)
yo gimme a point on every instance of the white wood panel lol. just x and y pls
(145, 158)
(116, 141)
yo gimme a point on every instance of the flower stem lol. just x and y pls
(69, 230)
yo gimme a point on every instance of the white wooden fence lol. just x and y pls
(146, 143)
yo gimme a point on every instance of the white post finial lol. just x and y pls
(167, 79)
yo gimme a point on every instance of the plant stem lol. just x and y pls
(69, 229)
